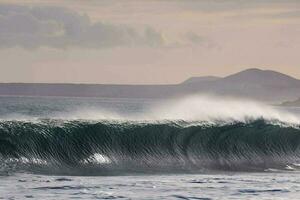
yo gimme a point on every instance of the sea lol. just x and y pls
(196, 147)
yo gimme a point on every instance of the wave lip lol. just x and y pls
(118, 147)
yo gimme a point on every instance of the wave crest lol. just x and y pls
(114, 147)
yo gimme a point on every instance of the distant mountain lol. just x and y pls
(262, 78)
(262, 85)
(265, 85)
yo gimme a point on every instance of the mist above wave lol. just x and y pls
(211, 109)
(194, 108)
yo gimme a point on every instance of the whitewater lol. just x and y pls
(196, 147)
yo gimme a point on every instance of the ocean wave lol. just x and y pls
(106, 147)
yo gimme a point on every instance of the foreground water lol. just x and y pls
(195, 148)
(185, 186)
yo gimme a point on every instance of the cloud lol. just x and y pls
(288, 14)
(33, 27)
(193, 38)
(231, 5)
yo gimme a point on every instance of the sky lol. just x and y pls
(145, 41)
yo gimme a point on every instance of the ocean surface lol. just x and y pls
(196, 147)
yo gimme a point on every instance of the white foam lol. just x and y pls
(212, 109)
(97, 158)
(198, 108)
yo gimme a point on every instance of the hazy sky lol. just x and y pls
(145, 41)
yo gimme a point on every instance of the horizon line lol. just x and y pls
(159, 84)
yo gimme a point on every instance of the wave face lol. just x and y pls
(79, 147)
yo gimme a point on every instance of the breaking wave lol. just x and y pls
(113, 147)
(193, 135)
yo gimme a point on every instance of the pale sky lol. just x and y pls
(145, 41)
